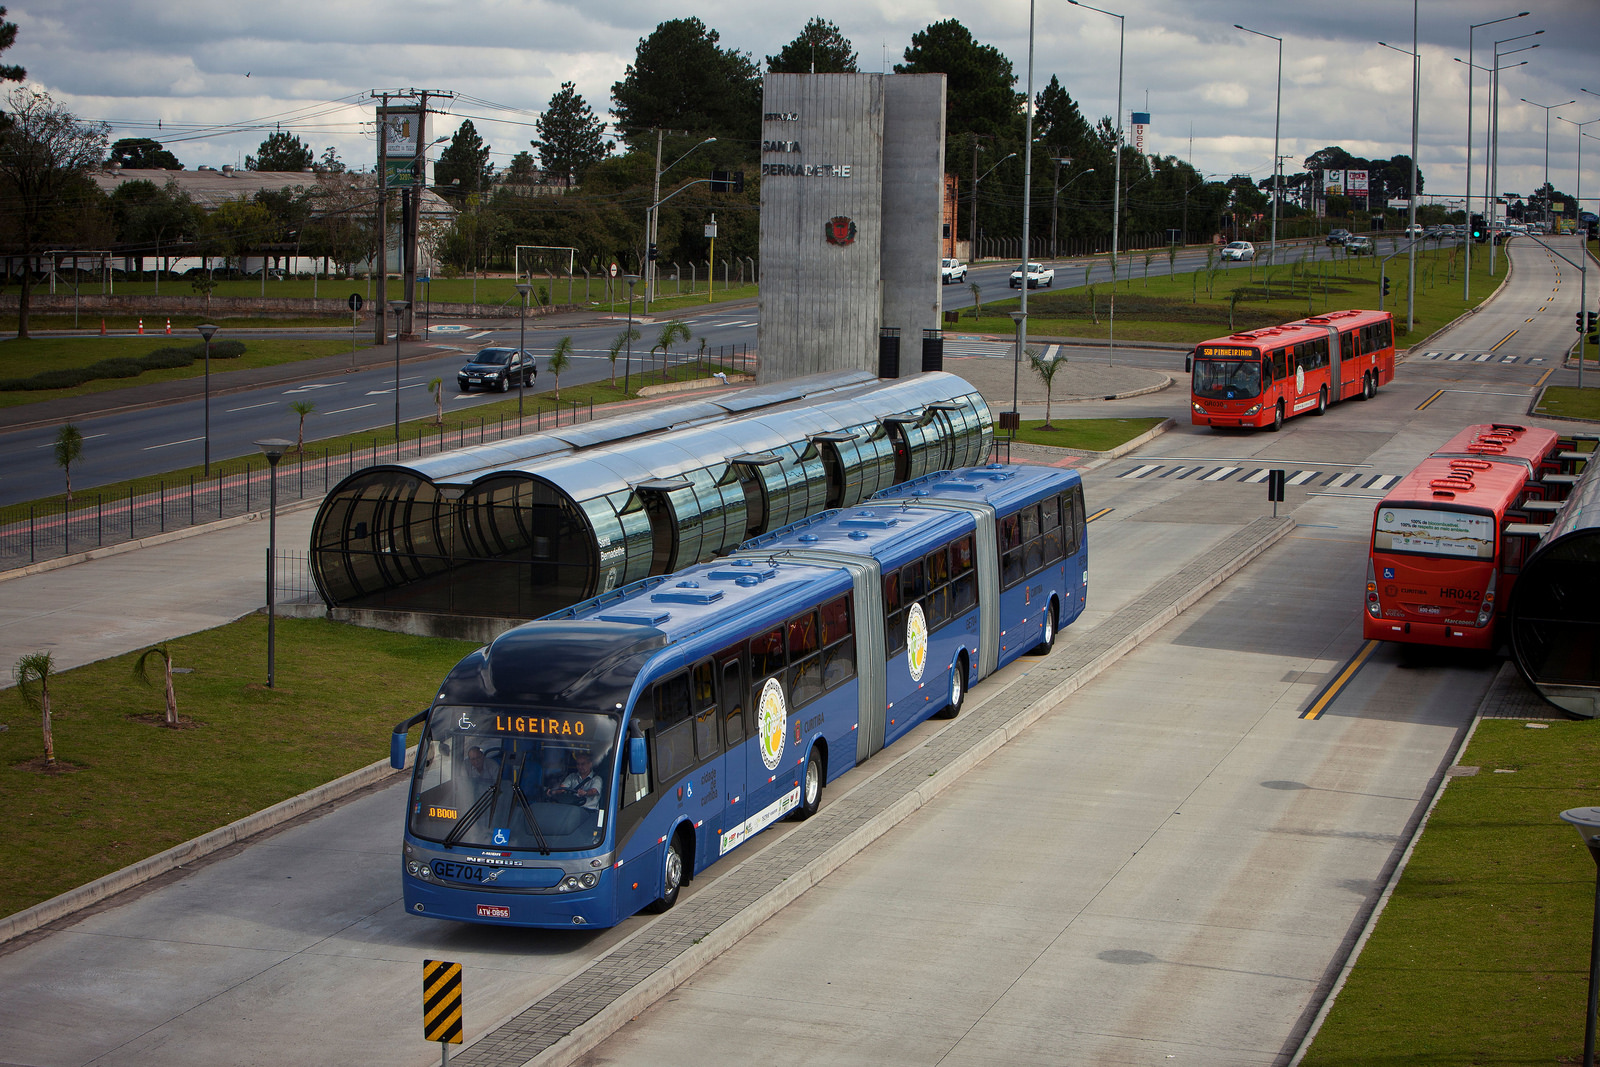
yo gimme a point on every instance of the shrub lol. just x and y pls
(116, 367)
(123, 366)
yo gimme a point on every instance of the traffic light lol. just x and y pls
(1386, 286)
(1477, 227)
(1586, 321)
(726, 181)
(738, 181)
(652, 251)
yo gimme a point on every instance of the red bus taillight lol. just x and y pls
(1372, 591)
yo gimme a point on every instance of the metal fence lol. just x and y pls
(31, 533)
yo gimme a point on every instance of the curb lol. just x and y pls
(156, 539)
(614, 1016)
(85, 896)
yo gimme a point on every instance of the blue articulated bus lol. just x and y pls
(588, 764)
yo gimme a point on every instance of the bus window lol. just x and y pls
(766, 657)
(913, 584)
(1033, 551)
(1051, 514)
(1280, 367)
(705, 712)
(732, 705)
(838, 643)
(894, 616)
(964, 588)
(1010, 530)
(673, 728)
(1349, 346)
(805, 659)
(936, 566)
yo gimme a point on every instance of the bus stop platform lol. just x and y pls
(578, 1014)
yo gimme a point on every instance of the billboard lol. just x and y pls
(399, 134)
(1333, 182)
(1141, 119)
(1355, 182)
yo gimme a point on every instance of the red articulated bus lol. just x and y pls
(1450, 537)
(1261, 377)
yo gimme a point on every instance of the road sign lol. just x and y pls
(613, 270)
(355, 301)
(441, 1001)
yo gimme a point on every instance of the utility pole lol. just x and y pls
(972, 217)
(380, 334)
(650, 230)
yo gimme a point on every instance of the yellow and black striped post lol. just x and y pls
(441, 1004)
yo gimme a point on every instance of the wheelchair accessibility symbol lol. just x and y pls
(502, 837)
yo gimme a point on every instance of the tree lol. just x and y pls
(521, 170)
(672, 332)
(560, 359)
(570, 137)
(68, 448)
(625, 338)
(149, 216)
(682, 79)
(142, 153)
(280, 151)
(163, 653)
(8, 37)
(45, 151)
(978, 88)
(330, 163)
(302, 408)
(35, 670)
(821, 48)
(464, 167)
(1046, 370)
(436, 387)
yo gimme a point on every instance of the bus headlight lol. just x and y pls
(413, 867)
(1198, 410)
(1253, 410)
(590, 880)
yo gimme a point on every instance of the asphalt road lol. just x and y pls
(1170, 865)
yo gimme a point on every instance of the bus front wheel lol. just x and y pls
(958, 688)
(1277, 418)
(811, 787)
(1047, 640)
(1322, 401)
(671, 876)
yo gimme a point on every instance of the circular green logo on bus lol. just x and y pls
(916, 641)
(771, 711)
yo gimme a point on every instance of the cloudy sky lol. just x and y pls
(211, 79)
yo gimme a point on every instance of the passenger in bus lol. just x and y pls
(581, 786)
(481, 771)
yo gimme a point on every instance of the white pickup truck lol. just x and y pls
(952, 271)
(1038, 274)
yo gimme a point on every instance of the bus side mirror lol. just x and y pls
(397, 739)
(1188, 362)
(638, 758)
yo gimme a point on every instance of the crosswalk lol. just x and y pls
(1311, 478)
(1477, 357)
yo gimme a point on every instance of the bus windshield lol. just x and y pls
(1427, 532)
(514, 778)
(1227, 379)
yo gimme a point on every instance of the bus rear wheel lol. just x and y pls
(958, 689)
(1047, 640)
(1372, 385)
(1322, 401)
(811, 787)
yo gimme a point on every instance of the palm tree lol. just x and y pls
(436, 387)
(36, 669)
(69, 446)
(560, 359)
(676, 330)
(977, 299)
(626, 337)
(301, 408)
(165, 654)
(1046, 370)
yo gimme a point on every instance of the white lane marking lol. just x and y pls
(86, 437)
(480, 333)
(169, 444)
(250, 407)
(308, 388)
(341, 411)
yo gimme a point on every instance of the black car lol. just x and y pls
(497, 369)
(1338, 237)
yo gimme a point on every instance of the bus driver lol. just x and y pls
(581, 786)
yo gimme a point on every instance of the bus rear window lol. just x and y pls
(1424, 531)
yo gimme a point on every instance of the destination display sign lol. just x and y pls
(1460, 534)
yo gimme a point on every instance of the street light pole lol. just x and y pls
(1411, 209)
(522, 340)
(1466, 275)
(207, 330)
(273, 448)
(972, 253)
(652, 223)
(1493, 162)
(1116, 189)
(1055, 201)
(1583, 239)
(627, 366)
(1547, 189)
(399, 309)
(1277, 122)
(1587, 822)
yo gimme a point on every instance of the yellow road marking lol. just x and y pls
(1544, 377)
(1430, 400)
(1107, 511)
(1504, 339)
(1335, 687)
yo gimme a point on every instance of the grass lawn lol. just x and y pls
(1090, 435)
(21, 359)
(1570, 403)
(1482, 954)
(136, 788)
(1196, 306)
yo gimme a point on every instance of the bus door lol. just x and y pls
(735, 733)
(769, 711)
(1336, 354)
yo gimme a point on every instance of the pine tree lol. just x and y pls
(281, 151)
(821, 48)
(570, 137)
(464, 167)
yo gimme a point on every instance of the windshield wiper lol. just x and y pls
(519, 797)
(485, 802)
